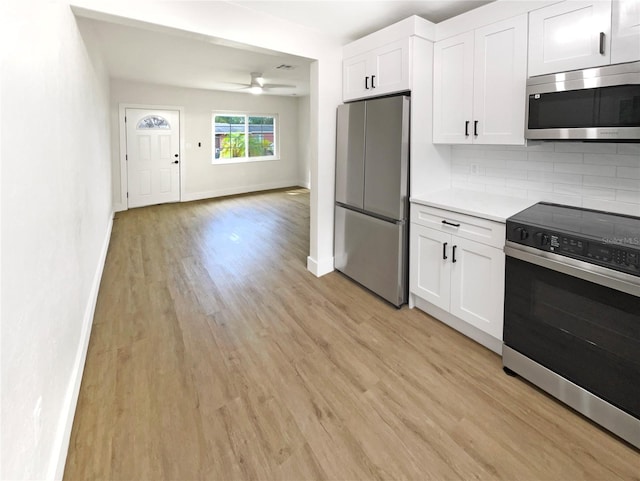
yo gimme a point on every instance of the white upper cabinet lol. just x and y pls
(479, 85)
(499, 82)
(381, 71)
(625, 31)
(392, 68)
(354, 72)
(453, 89)
(569, 36)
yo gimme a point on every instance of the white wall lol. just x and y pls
(304, 145)
(201, 178)
(596, 176)
(56, 213)
(228, 21)
(430, 168)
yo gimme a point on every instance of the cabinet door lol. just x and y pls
(354, 73)
(429, 269)
(391, 68)
(625, 31)
(500, 75)
(477, 285)
(453, 90)
(569, 36)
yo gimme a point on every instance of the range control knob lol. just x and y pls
(521, 233)
(542, 239)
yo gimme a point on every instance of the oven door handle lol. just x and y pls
(572, 267)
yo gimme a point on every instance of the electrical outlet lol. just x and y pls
(474, 169)
(37, 421)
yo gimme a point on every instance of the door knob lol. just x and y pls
(175, 161)
(176, 156)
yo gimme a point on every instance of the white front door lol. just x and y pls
(153, 156)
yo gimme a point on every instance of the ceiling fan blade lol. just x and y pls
(233, 85)
(278, 86)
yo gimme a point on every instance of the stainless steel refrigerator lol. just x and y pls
(372, 184)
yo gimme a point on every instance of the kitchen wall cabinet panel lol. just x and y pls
(625, 31)
(569, 36)
(382, 71)
(453, 89)
(500, 78)
(479, 85)
(354, 72)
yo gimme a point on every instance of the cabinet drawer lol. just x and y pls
(473, 228)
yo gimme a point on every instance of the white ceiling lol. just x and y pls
(185, 61)
(352, 19)
(172, 59)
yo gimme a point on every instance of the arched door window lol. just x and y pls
(153, 122)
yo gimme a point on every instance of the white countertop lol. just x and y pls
(479, 204)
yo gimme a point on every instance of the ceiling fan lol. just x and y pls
(258, 85)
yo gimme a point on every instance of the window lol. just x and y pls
(242, 138)
(153, 122)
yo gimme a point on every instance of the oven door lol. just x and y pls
(577, 320)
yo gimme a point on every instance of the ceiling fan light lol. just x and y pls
(255, 89)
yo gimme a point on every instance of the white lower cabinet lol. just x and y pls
(430, 272)
(458, 275)
(477, 286)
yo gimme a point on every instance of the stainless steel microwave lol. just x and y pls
(597, 104)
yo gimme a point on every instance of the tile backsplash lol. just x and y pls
(592, 175)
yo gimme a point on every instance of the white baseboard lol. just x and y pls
(63, 435)
(306, 185)
(245, 189)
(320, 268)
(459, 325)
(119, 207)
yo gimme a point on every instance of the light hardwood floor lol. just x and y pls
(215, 355)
